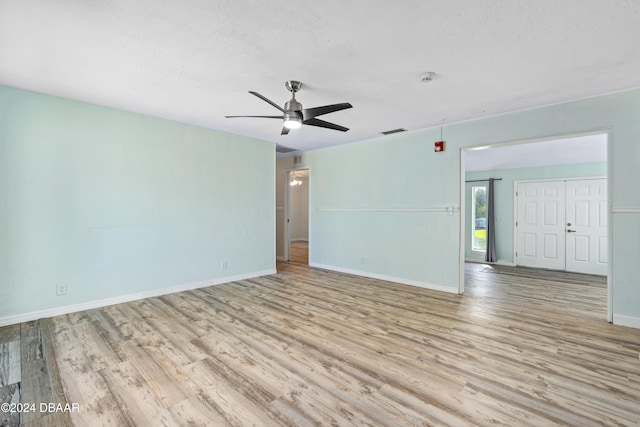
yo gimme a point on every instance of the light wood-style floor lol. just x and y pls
(572, 293)
(313, 347)
(299, 252)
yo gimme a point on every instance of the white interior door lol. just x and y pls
(587, 226)
(562, 225)
(540, 225)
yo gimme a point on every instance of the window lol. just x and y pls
(479, 218)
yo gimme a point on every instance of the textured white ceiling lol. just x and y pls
(579, 149)
(194, 61)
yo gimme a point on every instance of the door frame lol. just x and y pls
(515, 209)
(287, 208)
(462, 202)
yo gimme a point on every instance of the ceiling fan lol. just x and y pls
(294, 116)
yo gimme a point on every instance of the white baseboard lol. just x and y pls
(57, 311)
(451, 290)
(630, 321)
(499, 262)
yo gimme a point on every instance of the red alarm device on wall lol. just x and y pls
(438, 146)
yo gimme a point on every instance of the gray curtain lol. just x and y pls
(490, 256)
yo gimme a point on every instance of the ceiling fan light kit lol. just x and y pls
(294, 116)
(292, 122)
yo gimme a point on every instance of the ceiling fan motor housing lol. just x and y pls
(291, 106)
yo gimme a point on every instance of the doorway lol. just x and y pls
(562, 225)
(582, 156)
(297, 216)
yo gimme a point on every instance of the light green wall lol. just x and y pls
(395, 240)
(115, 203)
(504, 200)
(402, 171)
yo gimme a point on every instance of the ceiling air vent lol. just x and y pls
(389, 132)
(283, 150)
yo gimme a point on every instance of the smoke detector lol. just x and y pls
(427, 76)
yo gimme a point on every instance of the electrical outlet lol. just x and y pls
(363, 260)
(223, 265)
(61, 288)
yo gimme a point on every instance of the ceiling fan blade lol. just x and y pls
(262, 117)
(310, 113)
(265, 99)
(285, 130)
(322, 124)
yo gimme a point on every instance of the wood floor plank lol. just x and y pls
(136, 398)
(198, 410)
(10, 370)
(8, 394)
(10, 333)
(168, 384)
(35, 387)
(30, 341)
(238, 402)
(57, 418)
(97, 342)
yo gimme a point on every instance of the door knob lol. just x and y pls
(571, 231)
(568, 224)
